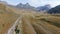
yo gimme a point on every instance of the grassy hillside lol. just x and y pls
(7, 18)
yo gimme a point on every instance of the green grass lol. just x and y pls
(17, 30)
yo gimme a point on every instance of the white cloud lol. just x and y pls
(44, 2)
(35, 2)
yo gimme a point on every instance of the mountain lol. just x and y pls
(25, 6)
(55, 9)
(44, 8)
(28, 6)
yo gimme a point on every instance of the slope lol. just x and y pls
(7, 18)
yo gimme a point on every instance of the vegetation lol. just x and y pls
(17, 30)
(52, 22)
(7, 18)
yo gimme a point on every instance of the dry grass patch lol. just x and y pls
(6, 21)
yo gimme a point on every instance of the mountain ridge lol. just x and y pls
(28, 6)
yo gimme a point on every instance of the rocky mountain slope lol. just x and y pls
(44, 8)
(55, 10)
(28, 6)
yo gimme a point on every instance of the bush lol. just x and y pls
(17, 30)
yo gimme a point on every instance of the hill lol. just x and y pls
(55, 10)
(7, 18)
(44, 8)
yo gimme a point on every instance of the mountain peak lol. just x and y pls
(44, 8)
(27, 4)
(20, 4)
(48, 5)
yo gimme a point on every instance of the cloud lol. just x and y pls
(36, 3)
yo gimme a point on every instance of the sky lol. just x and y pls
(34, 3)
